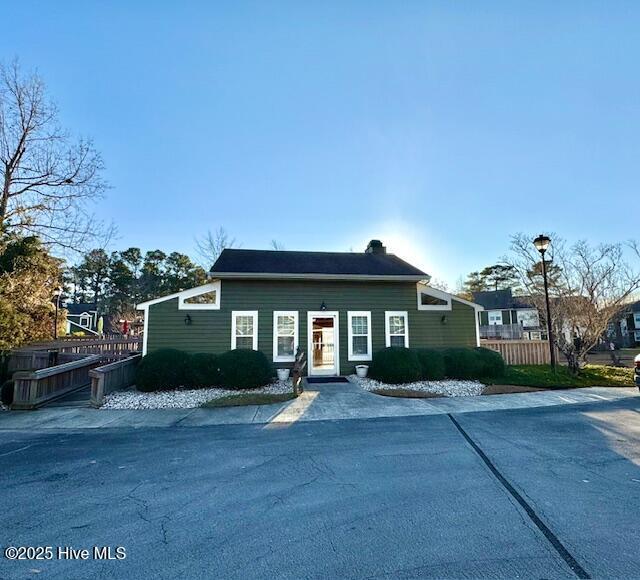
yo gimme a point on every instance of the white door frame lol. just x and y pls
(336, 342)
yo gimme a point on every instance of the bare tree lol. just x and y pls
(439, 284)
(210, 246)
(47, 178)
(276, 245)
(588, 286)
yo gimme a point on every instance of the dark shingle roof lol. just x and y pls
(80, 308)
(325, 263)
(500, 300)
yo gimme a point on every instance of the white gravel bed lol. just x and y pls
(448, 388)
(184, 398)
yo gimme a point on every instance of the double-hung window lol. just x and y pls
(359, 335)
(285, 335)
(244, 329)
(396, 328)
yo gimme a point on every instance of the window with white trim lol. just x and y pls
(285, 335)
(359, 330)
(244, 329)
(206, 297)
(431, 298)
(396, 328)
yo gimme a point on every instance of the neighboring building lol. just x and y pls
(507, 317)
(82, 318)
(627, 332)
(339, 308)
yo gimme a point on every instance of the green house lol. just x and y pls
(338, 307)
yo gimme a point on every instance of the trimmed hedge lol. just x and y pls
(491, 362)
(203, 370)
(395, 365)
(462, 363)
(162, 370)
(244, 369)
(432, 366)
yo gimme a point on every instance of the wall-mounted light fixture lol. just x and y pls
(187, 320)
(323, 306)
(444, 319)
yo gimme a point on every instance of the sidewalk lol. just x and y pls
(328, 402)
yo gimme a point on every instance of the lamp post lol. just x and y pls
(542, 243)
(56, 294)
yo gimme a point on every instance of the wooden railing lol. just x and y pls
(109, 348)
(35, 388)
(520, 352)
(108, 378)
(32, 360)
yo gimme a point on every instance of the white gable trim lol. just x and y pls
(186, 294)
(213, 285)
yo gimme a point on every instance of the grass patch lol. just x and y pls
(541, 376)
(242, 399)
(406, 393)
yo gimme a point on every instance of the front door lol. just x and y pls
(323, 343)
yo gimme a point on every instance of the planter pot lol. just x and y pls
(283, 374)
(361, 371)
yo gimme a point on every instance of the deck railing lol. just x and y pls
(111, 377)
(110, 348)
(35, 388)
(32, 360)
(520, 352)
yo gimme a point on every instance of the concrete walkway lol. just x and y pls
(324, 402)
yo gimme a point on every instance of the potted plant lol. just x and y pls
(361, 371)
(283, 374)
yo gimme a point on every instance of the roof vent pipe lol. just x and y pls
(375, 247)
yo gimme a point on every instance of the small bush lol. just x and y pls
(431, 364)
(395, 365)
(491, 362)
(244, 369)
(6, 392)
(162, 370)
(462, 363)
(203, 370)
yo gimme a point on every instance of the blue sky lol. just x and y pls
(439, 127)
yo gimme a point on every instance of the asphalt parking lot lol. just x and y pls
(542, 492)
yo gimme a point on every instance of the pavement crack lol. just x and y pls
(559, 547)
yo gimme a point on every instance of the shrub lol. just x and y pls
(6, 392)
(244, 369)
(462, 363)
(395, 365)
(491, 362)
(162, 370)
(431, 364)
(203, 370)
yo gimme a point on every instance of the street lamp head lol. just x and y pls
(542, 243)
(57, 292)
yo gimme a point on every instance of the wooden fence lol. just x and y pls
(520, 352)
(111, 377)
(35, 388)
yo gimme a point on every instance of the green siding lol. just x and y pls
(210, 330)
